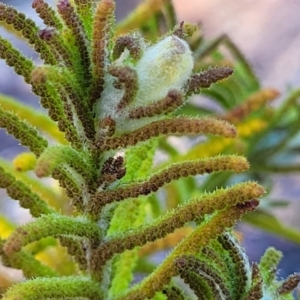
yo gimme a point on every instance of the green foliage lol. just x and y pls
(116, 99)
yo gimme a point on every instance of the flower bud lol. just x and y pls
(164, 66)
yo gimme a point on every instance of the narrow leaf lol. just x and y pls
(51, 225)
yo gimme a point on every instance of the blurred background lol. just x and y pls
(267, 32)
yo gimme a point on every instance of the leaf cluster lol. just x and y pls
(113, 99)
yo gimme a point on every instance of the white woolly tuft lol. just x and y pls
(164, 66)
(110, 99)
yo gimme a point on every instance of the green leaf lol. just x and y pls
(19, 191)
(52, 225)
(22, 131)
(55, 288)
(139, 160)
(26, 262)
